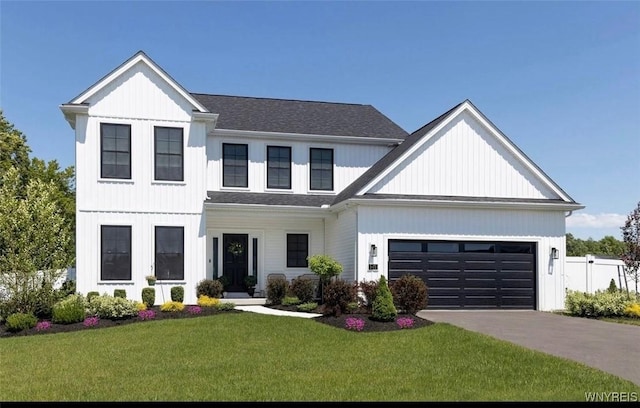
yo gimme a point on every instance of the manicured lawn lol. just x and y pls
(252, 357)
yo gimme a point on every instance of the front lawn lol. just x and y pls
(253, 357)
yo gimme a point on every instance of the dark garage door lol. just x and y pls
(469, 275)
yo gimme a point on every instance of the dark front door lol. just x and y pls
(235, 260)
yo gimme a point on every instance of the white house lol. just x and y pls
(189, 186)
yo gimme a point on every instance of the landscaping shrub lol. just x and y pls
(140, 305)
(68, 287)
(177, 294)
(353, 307)
(149, 296)
(599, 304)
(206, 301)
(324, 266)
(307, 307)
(612, 286)
(209, 287)
(121, 293)
(633, 310)
(276, 290)
(172, 306)
(92, 294)
(69, 310)
(369, 290)
(304, 289)
(20, 321)
(226, 306)
(383, 308)
(337, 296)
(108, 307)
(290, 301)
(44, 299)
(409, 293)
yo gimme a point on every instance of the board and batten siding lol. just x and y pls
(463, 159)
(340, 241)
(376, 225)
(143, 225)
(350, 161)
(271, 229)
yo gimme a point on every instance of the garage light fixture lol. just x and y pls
(373, 251)
(555, 254)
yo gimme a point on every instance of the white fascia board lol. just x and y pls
(515, 205)
(139, 57)
(306, 137)
(209, 119)
(70, 111)
(272, 209)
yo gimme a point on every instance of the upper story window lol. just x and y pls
(115, 151)
(168, 153)
(235, 166)
(115, 260)
(169, 253)
(321, 173)
(278, 167)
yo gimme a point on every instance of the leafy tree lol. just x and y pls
(34, 239)
(631, 239)
(14, 151)
(607, 246)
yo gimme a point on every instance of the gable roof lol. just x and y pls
(392, 159)
(301, 117)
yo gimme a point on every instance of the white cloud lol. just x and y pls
(596, 221)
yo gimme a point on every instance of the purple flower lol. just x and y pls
(146, 314)
(405, 322)
(194, 309)
(353, 323)
(43, 325)
(91, 321)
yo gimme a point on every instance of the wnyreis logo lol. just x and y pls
(613, 396)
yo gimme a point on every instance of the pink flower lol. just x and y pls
(194, 309)
(43, 325)
(91, 321)
(353, 323)
(405, 322)
(146, 314)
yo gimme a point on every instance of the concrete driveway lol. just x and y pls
(610, 347)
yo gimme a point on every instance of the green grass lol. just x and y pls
(253, 357)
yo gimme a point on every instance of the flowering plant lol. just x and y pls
(194, 309)
(91, 321)
(147, 314)
(353, 323)
(43, 325)
(405, 322)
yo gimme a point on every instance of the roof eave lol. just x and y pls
(283, 209)
(520, 205)
(70, 111)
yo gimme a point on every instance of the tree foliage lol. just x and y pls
(631, 239)
(607, 246)
(14, 151)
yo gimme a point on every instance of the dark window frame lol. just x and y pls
(271, 167)
(169, 155)
(320, 171)
(297, 257)
(180, 271)
(226, 165)
(120, 275)
(116, 152)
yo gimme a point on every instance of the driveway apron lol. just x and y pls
(610, 347)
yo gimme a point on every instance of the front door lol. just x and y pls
(235, 257)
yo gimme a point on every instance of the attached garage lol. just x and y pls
(469, 274)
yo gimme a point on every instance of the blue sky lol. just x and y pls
(560, 79)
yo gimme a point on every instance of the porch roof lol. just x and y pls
(273, 199)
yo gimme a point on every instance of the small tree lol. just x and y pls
(631, 239)
(325, 267)
(383, 308)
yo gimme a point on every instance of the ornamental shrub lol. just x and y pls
(194, 310)
(633, 310)
(225, 306)
(206, 301)
(43, 325)
(149, 296)
(290, 301)
(276, 290)
(303, 288)
(324, 266)
(599, 304)
(177, 294)
(20, 321)
(140, 305)
(383, 308)
(405, 322)
(172, 306)
(121, 293)
(212, 288)
(147, 314)
(354, 323)
(307, 307)
(409, 293)
(92, 294)
(69, 310)
(612, 286)
(369, 290)
(109, 307)
(338, 294)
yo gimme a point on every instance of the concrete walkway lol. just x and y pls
(610, 347)
(275, 312)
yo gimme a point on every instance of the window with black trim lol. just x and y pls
(115, 151)
(297, 250)
(321, 172)
(278, 167)
(169, 253)
(235, 166)
(169, 152)
(115, 248)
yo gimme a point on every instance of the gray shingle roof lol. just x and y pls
(303, 117)
(462, 198)
(293, 200)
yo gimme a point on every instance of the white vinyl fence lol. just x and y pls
(590, 273)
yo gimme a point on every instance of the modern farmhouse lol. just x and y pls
(187, 186)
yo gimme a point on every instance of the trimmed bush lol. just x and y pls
(206, 301)
(120, 293)
(149, 296)
(290, 301)
(92, 294)
(633, 310)
(69, 310)
(599, 304)
(304, 289)
(337, 296)
(177, 294)
(20, 321)
(212, 288)
(225, 306)
(276, 290)
(172, 306)
(307, 307)
(409, 293)
(383, 308)
(612, 286)
(369, 290)
(108, 307)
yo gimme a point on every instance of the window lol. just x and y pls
(278, 167)
(297, 250)
(115, 252)
(321, 174)
(169, 253)
(405, 246)
(443, 247)
(168, 153)
(234, 165)
(115, 151)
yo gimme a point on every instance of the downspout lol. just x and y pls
(356, 249)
